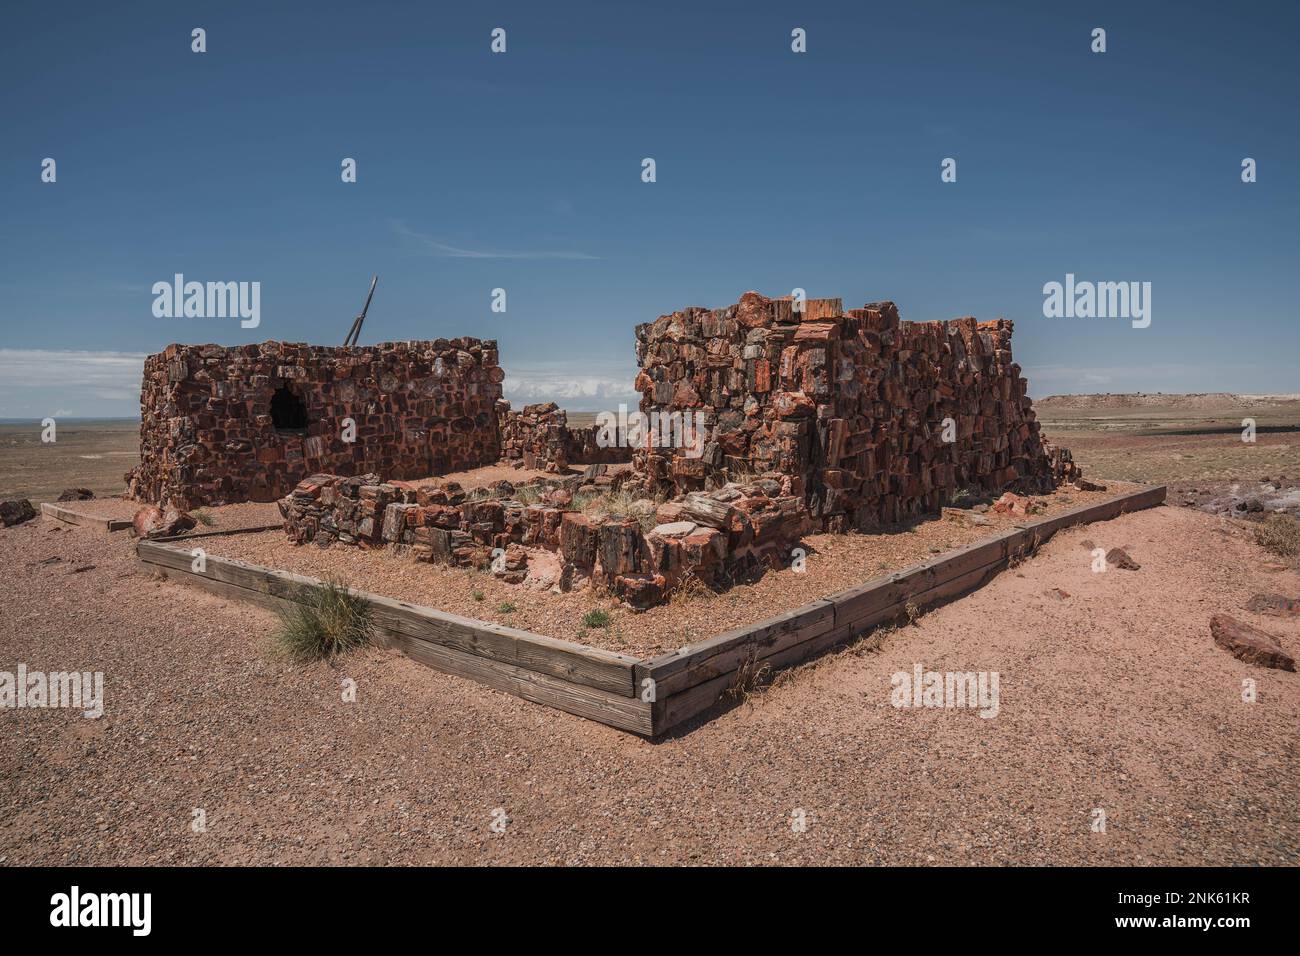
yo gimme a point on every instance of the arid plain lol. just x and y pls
(1114, 698)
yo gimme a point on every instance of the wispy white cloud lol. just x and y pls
(600, 386)
(434, 247)
(64, 383)
(68, 383)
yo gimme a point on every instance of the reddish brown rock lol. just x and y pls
(1011, 503)
(579, 539)
(1249, 644)
(1275, 605)
(16, 512)
(1119, 558)
(155, 522)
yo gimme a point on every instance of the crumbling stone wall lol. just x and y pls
(850, 406)
(729, 533)
(813, 419)
(246, 423)
(539, 436)
(536, 436)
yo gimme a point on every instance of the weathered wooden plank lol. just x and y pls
(254, 577)
(224, 533)
(672, 710)
(566, 660)
(691, 701)
(617, 710)
(60, 513)
(886, 590)
(689, 684)
(723, 652)
(221, 588)
(608, 707)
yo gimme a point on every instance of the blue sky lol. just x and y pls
(522, 171)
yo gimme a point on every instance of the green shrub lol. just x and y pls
(596, 618)
(506, 608)
(331, 621)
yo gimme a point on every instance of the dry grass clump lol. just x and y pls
(526, 494)
(750, 676)
(690, 588)
(1279, 534)
(618, 504)
(330, 621)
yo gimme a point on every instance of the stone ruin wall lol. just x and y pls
(208, 434)
(846, 406)
(539, 437)
(819, 419)
(713, 537)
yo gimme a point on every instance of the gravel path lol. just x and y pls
(1114, 697)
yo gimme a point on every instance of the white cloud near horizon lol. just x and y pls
(434, 247)
(87, 384)
(61, 383)
(69, 383)
(601, 386)
(1075, 379)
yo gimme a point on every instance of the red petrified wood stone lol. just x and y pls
(1249, 644)
(871, 418)
(246, 423)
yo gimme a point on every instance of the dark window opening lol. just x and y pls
(288, 411)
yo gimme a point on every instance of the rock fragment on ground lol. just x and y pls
(1276, 605)
(1249, 644)
(1119, 558)
(76, 494)
(154, 522)
(16, 512)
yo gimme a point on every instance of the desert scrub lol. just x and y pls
(618, 504)
(1279, 534)
(331, 620)
(506, 608)
(690, 588)
(596, 618)
(203, 518)
(748, 678)
(476, 595)
(529, 494)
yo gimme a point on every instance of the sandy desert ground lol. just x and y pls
(1113, 697)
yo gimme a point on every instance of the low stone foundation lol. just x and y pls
(715, 537)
